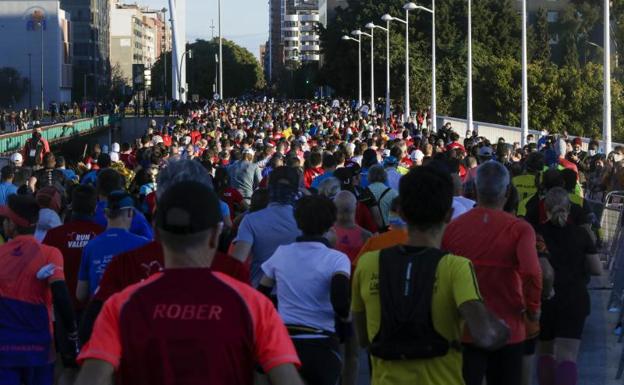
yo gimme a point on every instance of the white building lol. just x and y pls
(300, 37)
(35, 38)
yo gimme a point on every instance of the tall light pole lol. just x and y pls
(188, 54)
(434, 112)
(220, 56)
(359, 41)
(372, 64)
(387, 30)
(469, 117)
(606, 119)
(175, 91)
(164, 12)
(525, 85)
(407, 7)
(42, 102)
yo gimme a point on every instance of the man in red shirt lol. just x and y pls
(188, 324)
(502, 249)
(73, 236)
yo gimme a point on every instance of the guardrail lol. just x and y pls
(15, 141)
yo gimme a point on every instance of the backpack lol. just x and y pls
(368, 199)
(406, 284)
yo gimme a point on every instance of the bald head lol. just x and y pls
(345, 202)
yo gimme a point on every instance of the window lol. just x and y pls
(552, 16)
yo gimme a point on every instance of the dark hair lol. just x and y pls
(329, 161)
(315, 159)
(259, 200)
(221, 179)
(7, 172)
(551, 179)
(369, 158)
(84, 200)
(426, 196)
(104, 161)
(569, 179)
(513, 200)
(315, 214)
(108, 180)
(49, 161)
(60, 161)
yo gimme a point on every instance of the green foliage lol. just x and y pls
(539, 38)
(14, 86)
(242, 73)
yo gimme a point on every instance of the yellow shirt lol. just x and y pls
(455, 284)
(525, 184)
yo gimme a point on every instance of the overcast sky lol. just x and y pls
(244, 21)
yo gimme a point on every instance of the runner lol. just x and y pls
(312, 288)
(31, 281)
(503, 251)
(415, 340)
(189, 308)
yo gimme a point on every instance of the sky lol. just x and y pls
(246, 22)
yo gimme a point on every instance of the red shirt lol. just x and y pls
(191, 326)
(70, 239)
(456, 145)
(233, 198)
(310, 174)
(136, 265)
(364, 218)
(503, 251)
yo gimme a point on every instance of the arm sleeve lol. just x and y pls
(88, 319)
(529, 267)
(339, 295)
(63, 306)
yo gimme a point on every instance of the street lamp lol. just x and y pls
(371, 35)
(220, 56)
(387, 30)
(189, 54)
(41, 30)
(606, 119)
(164, 50)
(525, 85)
(433, 65)
(359, 41)
(469, 117)
(407, 7)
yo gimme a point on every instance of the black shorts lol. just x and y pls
(563, 319)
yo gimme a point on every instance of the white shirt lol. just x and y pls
(461, 206)
(303, 272)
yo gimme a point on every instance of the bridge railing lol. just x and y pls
(15, 141)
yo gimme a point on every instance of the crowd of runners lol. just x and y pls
(259, 241)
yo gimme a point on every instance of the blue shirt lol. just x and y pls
(98, 253)
(6, 189)
(69, 174)
(316, 182)
(90, 178)
(139, 225)
(265, 230)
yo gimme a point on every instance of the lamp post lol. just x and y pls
(42, 102)
(372, 63)
(469, 106)
(189, 54)
(387, 30)
(606, 119)
(434, 112)
(525, 85)
(407, 7)
(220, 56)
(359, 41)
(164, 12)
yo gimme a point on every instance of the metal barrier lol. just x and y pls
(15, 141)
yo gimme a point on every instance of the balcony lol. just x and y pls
(307, 28)
(309, 18)
(315, 38)
(312, 57)
(311, 47)
(291, 18)
(291, 38)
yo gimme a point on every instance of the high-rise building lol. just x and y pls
(293, 34)
(90, 40)
(36, 42)
(327, 10)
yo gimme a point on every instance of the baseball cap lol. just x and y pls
(120, 199)
(22, 210)
(249, 151)
(188, 207)
(577, 142)
(115, 147)
(417, 155)
(17, 157)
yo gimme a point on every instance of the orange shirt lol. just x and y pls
(383, 241)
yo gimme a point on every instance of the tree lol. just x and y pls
(242, 73)
(540, 41)
(119, 83)
(14, 86)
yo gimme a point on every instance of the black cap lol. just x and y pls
(286, 176)
(119, 199)
(188, 207)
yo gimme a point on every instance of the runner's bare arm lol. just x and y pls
(241, 250)
(359, 324)
(285, 375)
(95, 372)
(594, 264)
(487, 331)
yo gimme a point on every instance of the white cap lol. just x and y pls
(156, 139)
(302, 139)
(249, 151)
(417, 155)
(17, 158)
(115, 147)
(386, 153)
(114, 156)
